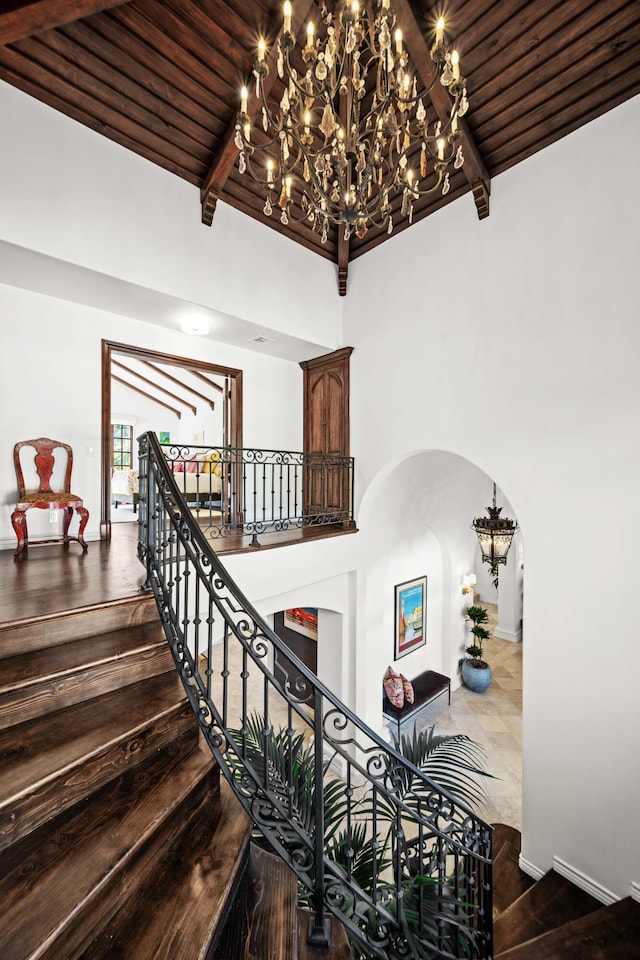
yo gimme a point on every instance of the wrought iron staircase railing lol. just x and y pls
(250, 491)
(404, 865)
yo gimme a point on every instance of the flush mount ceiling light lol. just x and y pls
(355, 125)
(495, 534)
(198, 326)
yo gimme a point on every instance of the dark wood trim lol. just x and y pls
(143, 393)
(105, 444)
(474, 167)
(29, 17)
(179, 383)
(155, 386)
(225, 158)
(209, 383)
(233, 430)
(326, 358)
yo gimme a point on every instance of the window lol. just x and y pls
(122, 446)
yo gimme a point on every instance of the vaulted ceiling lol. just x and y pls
(163, 79)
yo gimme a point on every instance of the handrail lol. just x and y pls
(255, 491)
(403, 864)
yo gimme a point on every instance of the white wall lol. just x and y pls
(415, 521)
(510, 343)
(50, 383)
(90, 190)
(514, 342)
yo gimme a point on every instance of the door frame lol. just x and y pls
(232, 400)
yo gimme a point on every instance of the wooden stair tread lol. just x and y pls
(339, 948)
(549, 903)
(50, 762)
(503, 833)
(51, 629)
(179, 920)
(509, 881)
(47, 680)
(263, 924)
(78, 875)
(610, 933)
(52, 662)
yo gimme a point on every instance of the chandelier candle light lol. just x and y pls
(353, 129)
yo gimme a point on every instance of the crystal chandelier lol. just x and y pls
(495, 534)
(353, 129)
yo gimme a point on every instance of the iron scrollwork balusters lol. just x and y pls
(404, 865)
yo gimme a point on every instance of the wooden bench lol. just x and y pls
(426, 687)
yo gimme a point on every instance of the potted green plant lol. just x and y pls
(476, 672)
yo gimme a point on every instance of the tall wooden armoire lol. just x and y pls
(326, 434)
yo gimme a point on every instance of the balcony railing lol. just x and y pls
(402, 863)
(243, 490)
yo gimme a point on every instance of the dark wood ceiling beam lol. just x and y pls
(142, 393)
(156, 386)
(29, 17)
(201, 376)
(343, 261)
(474, 167)
(222, 165)
(179, 383)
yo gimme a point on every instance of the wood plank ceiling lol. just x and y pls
(163, 79)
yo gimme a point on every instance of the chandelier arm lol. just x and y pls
(292, 76)
(363, 165)
(265, 106)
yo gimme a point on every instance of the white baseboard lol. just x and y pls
(635, 891)
(514, 637)
(579, 879)
(9, 543)
(530, 868)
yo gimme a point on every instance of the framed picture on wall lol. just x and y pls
(410, 616)
(303, 620)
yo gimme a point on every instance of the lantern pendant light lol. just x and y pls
(495, 534)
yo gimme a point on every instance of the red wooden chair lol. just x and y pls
(44, 498)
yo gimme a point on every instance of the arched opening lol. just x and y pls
(416, 521)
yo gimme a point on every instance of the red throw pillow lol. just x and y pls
(393, 688)
(407, 689)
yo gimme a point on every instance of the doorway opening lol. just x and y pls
(184, 400)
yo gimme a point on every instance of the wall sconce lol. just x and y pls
(468, 583)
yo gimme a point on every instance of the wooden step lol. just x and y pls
(46, 765)
(263, 924)
(509, 881)
(610, 933)
(547, 904)
(34, 633)
(339, 948)
(56, 897)
(182, 908)
(43, 681)
(503, 833)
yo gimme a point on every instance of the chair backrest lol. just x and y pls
(44, 461)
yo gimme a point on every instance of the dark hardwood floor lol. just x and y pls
(54, 577)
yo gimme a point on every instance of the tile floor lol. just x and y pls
(493, 719)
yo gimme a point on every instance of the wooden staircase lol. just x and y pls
(552, 919)
(118, 838)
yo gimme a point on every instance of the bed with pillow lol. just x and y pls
(198, 476)
(124, 487)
